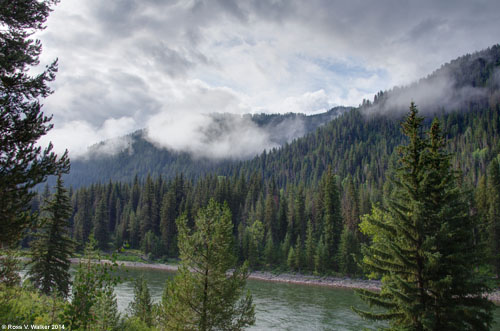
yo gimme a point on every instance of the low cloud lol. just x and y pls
(434, 94)
(214, 136)
(308, 103)
(77, 136)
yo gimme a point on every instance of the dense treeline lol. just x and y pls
(297, 207)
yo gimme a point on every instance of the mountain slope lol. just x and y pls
(144, 156)
(465, 95)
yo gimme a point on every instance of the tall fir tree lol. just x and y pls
(332, 219)
(22, 122)
(422, 244)
(203, 296)
(101, 218)
(52, 247)
(82, 225)
(493, 216)
(93, 303)
(142, 306)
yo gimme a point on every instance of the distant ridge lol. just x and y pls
(139, 156)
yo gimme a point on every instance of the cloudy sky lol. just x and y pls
(130, 64)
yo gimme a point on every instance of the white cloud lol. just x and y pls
(308, 103)
(205, 135)
(78, 135)
(139, 59)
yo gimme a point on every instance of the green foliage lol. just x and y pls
(332, 220)
(423, 244)
(9, 268)
(101, 232)
(310, 248)
(24, 305)
(151, 245)
(142, 305)
(105, 312)
(291, 259)
(269, 250)
(22, 122)
(349, 251)
(493, 216)
(203, 296)
(52, 247)
(93, 281)
(135, 324)
(256, 238)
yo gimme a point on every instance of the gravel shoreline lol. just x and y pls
(311, 280)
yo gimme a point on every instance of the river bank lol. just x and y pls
(300, 279)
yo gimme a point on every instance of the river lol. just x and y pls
(279, 306)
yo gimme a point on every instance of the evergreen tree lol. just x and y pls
(348, 250)
(270, 213)
(332, 219)
(52, 248)
(142, 305)
(422, 244)
(105, 312)
(168, 215)
(92, 292)
(101, 218)
(269, 251)
(310, 247)
(203, 296)
(291, 259)
(298, 255)
(82, 220)
(493, 216)
(321, 256)
(22, 121)
(256, 238)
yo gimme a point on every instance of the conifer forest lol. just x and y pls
(402, 187)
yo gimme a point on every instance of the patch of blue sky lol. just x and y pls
(349, 68)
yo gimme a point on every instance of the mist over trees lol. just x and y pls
(296, 207)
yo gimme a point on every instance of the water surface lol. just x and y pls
(279, 306)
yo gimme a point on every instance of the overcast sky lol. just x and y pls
(129, 64)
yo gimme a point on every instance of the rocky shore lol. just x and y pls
(339, 282)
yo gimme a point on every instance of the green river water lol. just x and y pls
(279, 306)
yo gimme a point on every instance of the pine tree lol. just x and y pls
(101, 218)
(348, 250)
(291, 259)
(22, 121)
(82, 219)
(203, 296)
(269, 251)
(422, 244)
(168, 215)
(332, 220)
(92, 292)
(142, 305)
(493, 216)
(310, 247)
(52, 248)
(105, 312)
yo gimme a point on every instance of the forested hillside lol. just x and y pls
(298, 206)
(143, 157)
